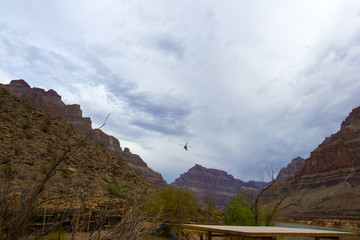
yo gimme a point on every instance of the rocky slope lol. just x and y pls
(291, 169)
(216, 183)
(340, 150)
(51, 101)
(328, 185)
(138, 165)
(32, 140)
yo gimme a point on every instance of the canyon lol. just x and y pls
(328, 184)
(324, 186)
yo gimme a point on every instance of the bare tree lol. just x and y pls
(134, 223)
(287, 191)
(255, 200)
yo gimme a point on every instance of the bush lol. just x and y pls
(238, 212)
(172, 204)
(8, 171)
(115, 190)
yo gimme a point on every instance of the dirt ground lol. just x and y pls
(86, 235)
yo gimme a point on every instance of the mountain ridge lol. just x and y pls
(32, 140)
(217, 184)
(51, 101)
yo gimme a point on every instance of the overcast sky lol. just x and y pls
(245, 83)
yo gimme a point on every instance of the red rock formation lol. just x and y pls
(138, 165)
(289, 171)
(51, 101)
(328, 185)
(340, 150)
(216, 183)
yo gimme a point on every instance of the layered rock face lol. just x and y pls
(216, 183)
(291, 169)
(51, 101)
(138, 165)
(33, 140)
(328, 185)
(341, 150)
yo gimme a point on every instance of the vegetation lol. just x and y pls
(172, 204)
(115, 190)
(208, 211)
(238, 212)
(45, 162)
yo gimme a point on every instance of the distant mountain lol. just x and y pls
(51, 102)
(328, 185)
(217, 184)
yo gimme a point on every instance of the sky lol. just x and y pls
(247, 84)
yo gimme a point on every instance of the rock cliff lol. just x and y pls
(340, 150)
(138, 165)
(51, 101)
(328, 185)
(291, 169)
(217, 184)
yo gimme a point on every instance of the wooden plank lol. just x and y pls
(266, 232)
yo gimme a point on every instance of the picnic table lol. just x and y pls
(252, 232)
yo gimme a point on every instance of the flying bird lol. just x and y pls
(186, 146)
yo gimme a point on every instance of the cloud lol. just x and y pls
(170, 45)
(243, 83)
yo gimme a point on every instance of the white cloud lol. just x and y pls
(5, 77)
(242, 82)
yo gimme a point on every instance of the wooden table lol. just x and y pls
(251, 232)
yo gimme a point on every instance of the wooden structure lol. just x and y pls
(252, 232)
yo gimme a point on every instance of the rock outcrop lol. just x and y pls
(291, 169)
(340, 150)
(33, 140)
(51, 101)
(138, 165)
(328, 185)
(218, 184)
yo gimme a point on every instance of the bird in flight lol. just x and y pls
(186, 146)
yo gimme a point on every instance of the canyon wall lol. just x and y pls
(51, 101)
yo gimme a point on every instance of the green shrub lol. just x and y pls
(174, 204)
(238, 213)
(115, 190)
(8, 171)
